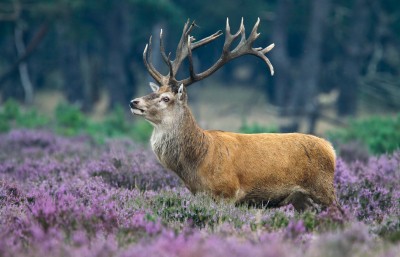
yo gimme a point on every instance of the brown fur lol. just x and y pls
(273, 169)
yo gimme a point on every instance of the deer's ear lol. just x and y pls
(181, 92)
(154, 87)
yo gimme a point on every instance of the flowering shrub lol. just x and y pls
(70, 120)
(377, 134)
(72, 197)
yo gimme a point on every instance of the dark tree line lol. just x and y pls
(80, 47)
(336, 45)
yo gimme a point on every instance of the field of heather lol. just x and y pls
(73, 196)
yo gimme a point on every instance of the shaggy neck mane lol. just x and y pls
(181, 145)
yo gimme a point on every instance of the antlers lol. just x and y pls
(186, 45)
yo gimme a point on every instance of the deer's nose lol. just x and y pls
(133, 103)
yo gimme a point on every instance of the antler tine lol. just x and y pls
(268, 48)
(190, 57)
(181, 51)
(242, 31)
(206, 40)
(191, 27)
(259, 51)
(229, 38)
(167, 59)
(227, 28)
(162, 48)
(260, 54)
(245, 47)
(254, 34)
(171, 70)
(183, 37)
(149, 66)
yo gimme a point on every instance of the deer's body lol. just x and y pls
(272, 169)
(257, 168)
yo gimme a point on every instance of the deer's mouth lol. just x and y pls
(137, 111)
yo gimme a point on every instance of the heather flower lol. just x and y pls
(354, 240)
(80, 238)
(295, 229)
(70, 197)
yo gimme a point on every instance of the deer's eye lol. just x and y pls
(165, 99)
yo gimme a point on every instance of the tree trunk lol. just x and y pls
(347, 102)
(73, 84)
(91, 86)
(23, 66)
(306, 85)
(280, 57)
(119, 77)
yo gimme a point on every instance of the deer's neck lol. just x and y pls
(181, 146)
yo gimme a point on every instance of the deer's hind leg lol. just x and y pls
(300, 200)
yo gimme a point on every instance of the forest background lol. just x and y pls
(333, 59)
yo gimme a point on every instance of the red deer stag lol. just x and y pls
(271, 169)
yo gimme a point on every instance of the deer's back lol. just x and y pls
(268, 164)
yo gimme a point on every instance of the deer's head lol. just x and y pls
(169, 97)
(162, 106)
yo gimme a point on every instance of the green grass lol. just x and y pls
(257, 128)
(379, 134)
(68, 120)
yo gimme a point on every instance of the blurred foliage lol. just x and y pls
(92, 46)
(12, 116)
(257, 128)
(69, 120)
(378, 134)
(278, 220)
(173, 207)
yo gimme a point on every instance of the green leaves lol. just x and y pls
(69, 120)
(257, 128)
(11, 116)
(379, 134)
